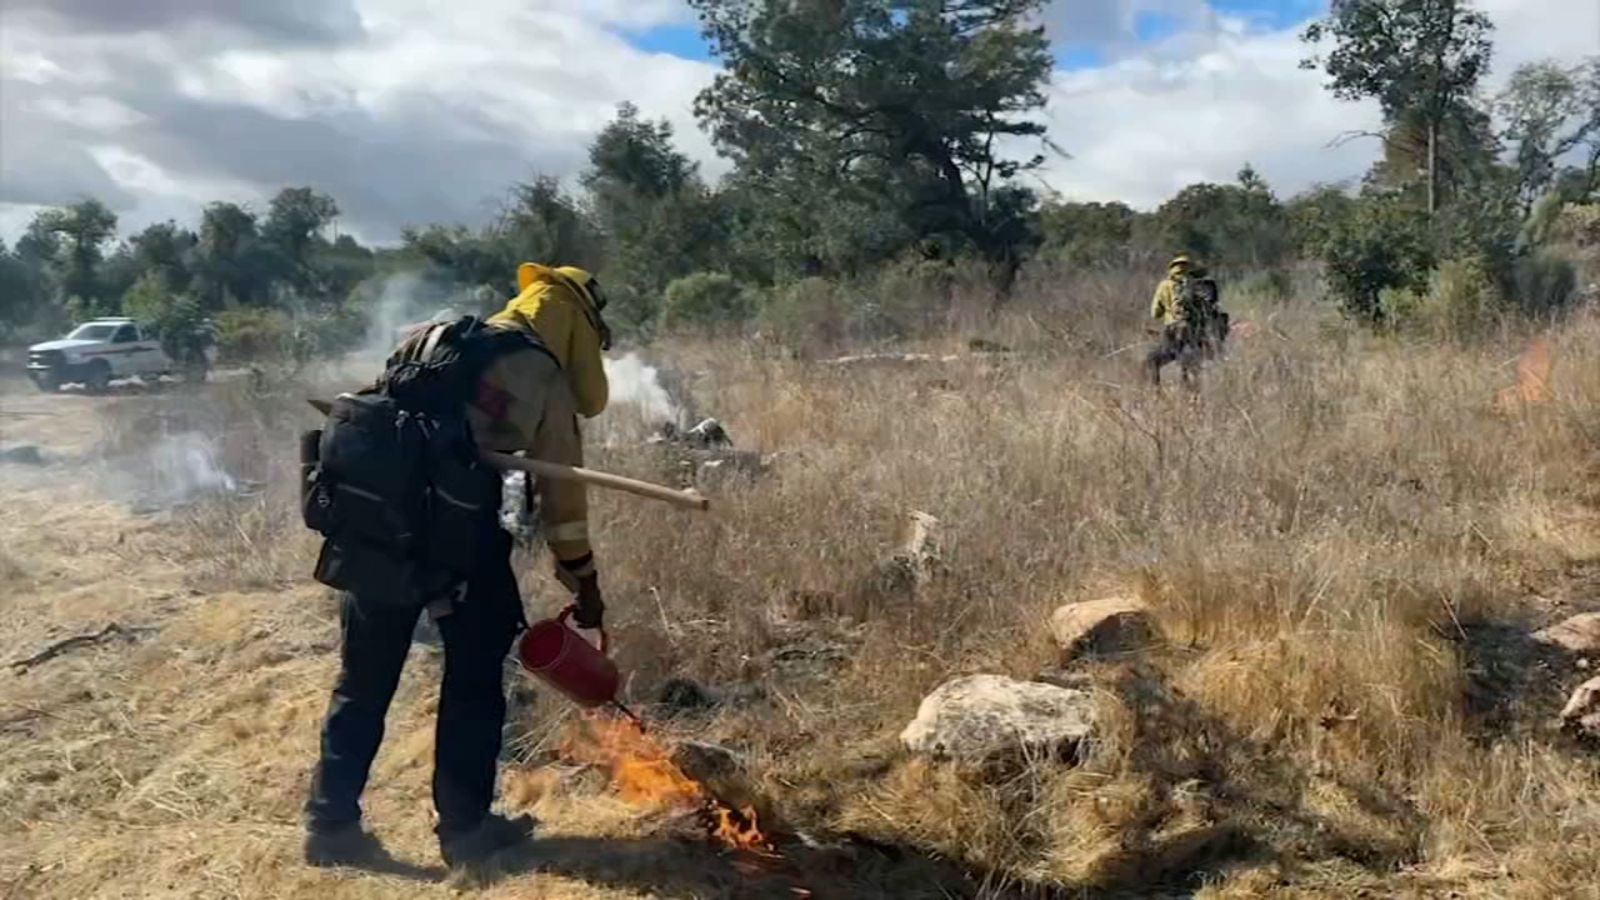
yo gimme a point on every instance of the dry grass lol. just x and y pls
(1346, 543)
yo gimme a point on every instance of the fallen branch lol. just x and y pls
(73, 643)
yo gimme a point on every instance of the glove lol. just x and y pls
(581, 578)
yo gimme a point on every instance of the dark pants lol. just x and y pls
(1180, 344)
(376, 636)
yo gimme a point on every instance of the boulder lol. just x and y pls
(1579, 634)
(1582, 712)
(981, 719)
(25, 454)
(1104, 627)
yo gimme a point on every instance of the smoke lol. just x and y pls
(176, 470)
(400, 300)
(634, 381)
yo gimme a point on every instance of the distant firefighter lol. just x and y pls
(1192, 323)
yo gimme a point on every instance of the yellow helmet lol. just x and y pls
(1181, 260)
(583, 279)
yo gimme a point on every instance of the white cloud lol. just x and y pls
(1202, 103)
(407, 111)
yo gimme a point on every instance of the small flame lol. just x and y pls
(643, 773)
(1533, 378)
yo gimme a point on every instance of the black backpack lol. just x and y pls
(1197, 300)
(397, 489)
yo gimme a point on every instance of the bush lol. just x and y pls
(248, 333)
(1384, 246)
(1546, 282)
(807, 315)
(705, 300)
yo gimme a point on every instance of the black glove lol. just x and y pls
(581, 578)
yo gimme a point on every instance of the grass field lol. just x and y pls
(1347, 542)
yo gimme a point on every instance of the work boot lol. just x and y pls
(348, 846)
(494, 834)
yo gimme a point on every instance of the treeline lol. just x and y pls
(886, 151)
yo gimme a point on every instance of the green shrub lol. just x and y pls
(1384, 246)
(1546, 282)
(807, 315)
(249, 333)
(1462, 297)
(705, 300)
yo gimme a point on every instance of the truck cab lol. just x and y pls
(102, 350)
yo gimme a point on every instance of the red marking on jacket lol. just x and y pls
(492, 401)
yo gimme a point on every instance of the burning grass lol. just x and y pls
(1345, 541)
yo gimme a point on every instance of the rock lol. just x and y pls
(1579, 634)
(1109, 626)
(918, 558)
(709, 433)
(679, 695)
(979, 719)
(726, 777)
(984, 345)
(1582, 712)
(26, 454)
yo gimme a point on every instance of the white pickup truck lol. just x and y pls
(101, 350)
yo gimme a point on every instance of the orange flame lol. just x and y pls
(643, 774)
(1533, 378)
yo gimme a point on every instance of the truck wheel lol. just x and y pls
(97, 377)
(48, 382)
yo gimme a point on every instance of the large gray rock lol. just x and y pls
(979, 719)
(1579, 634)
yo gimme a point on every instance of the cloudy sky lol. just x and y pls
(414, 111)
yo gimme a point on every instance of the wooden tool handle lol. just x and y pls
(503, 461)
(690, 499)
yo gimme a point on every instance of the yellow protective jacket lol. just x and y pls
(1164, 307)
(560, 311)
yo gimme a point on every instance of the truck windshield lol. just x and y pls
(92, 331)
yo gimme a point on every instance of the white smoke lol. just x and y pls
(176, 470)
(398, 301)
(641, 401)
(634, 381)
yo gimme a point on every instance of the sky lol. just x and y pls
(413, 111)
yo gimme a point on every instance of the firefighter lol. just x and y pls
(529, 398)
(1185, 311)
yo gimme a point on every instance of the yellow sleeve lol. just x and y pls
(585, 367)
(1161, 305)
(564, 504)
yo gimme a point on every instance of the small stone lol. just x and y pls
(1105, 627)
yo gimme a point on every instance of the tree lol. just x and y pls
(1418, 58)
(637, 157)
(167, 250)
(1550, 111)
(660, 221)
(1383, 246)
(1228, 224)
(1087, 234)
(84, 228)
(905, 106)
(231, 260)
(1314, 216)
(295, 219)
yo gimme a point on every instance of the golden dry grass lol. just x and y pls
(1346, 541)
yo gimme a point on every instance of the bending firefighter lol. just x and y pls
(1192, 323)
(410, 519)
